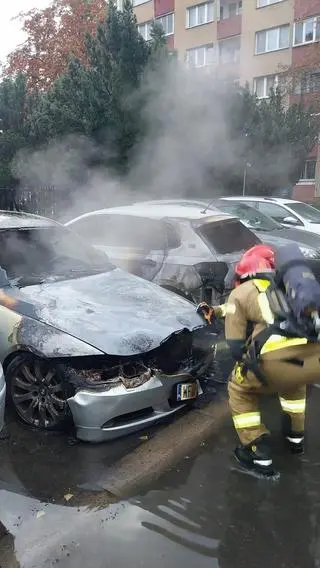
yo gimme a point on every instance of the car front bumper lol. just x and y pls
(2, 398)
(106, 415)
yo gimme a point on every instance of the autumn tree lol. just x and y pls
(99, 99)
(54, 35)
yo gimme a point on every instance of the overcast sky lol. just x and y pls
(10, 33)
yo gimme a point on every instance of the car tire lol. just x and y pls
(38, 392)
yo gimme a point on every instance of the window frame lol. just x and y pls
(238, 4)
(147, 25)
(159, 18)
(304, 85)
(266, 95)
(304, 178)
(278, 28)
(196, 49)
(196, 7)
(269, 3)
(238, 51)
(316, 22)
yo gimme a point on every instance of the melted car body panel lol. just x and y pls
(115, 312)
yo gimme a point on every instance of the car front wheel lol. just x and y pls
(38, 392)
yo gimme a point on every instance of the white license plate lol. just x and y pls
(187, 391)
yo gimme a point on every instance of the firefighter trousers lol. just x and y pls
(288, 371)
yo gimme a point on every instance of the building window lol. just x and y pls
(230, 10)
(200, 14)
(263, 85)
(263, 3)
(309, 170)
(229, 50)
(167, 23)
(145, 30)
(309, 83)
(272, 39)
(201, 56)
(307, 31)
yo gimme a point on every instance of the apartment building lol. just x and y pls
(251, 41)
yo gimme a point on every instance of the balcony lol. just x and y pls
(229, 56)
(162, 7)
(230, 23)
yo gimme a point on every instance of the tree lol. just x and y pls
(54, 35)
(14, 114)
(277, 142)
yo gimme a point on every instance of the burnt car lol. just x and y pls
(180, 248)
(83, 341)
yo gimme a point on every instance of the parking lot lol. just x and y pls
(201, 511)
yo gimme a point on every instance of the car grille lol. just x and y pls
(184, 351)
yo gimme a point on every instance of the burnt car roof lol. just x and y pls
(163, 211)
(17, 220)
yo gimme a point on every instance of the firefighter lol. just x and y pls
(275, 349)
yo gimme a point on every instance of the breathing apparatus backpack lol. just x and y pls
(293, 295)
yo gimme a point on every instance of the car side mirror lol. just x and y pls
(290, 220)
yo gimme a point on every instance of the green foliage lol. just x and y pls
(273, 140)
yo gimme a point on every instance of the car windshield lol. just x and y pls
(306, 211)
(35, 255)
(249, 216)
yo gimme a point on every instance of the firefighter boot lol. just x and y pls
(256, 456)
(295, 440)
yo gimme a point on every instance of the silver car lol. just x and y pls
(2, 398)
(83, 342)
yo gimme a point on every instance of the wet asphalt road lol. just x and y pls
(203, 512)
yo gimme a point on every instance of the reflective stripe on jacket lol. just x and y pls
(248, 303)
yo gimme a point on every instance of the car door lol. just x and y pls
(279, 213)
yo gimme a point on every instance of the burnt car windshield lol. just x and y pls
(228, 237)
(38, 254)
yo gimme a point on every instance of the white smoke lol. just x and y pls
(185, 137)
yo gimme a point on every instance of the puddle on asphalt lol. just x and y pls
(201, 513)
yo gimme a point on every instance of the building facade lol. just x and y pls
(259, 42)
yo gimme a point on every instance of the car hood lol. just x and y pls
(115, 312)
(279, 238)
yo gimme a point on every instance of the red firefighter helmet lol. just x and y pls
(259, 258)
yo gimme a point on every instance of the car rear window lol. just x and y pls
(228, 237)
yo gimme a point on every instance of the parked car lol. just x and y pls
(288, 212)
(2, 399)
(268, 230)
(81, 339)
(179, 248)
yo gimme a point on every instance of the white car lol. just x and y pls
(288, 212)
(2, 398)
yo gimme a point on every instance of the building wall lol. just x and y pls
(245, 24)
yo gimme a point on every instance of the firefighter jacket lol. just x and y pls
(247, 315)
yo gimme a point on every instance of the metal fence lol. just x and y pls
(40, 201)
